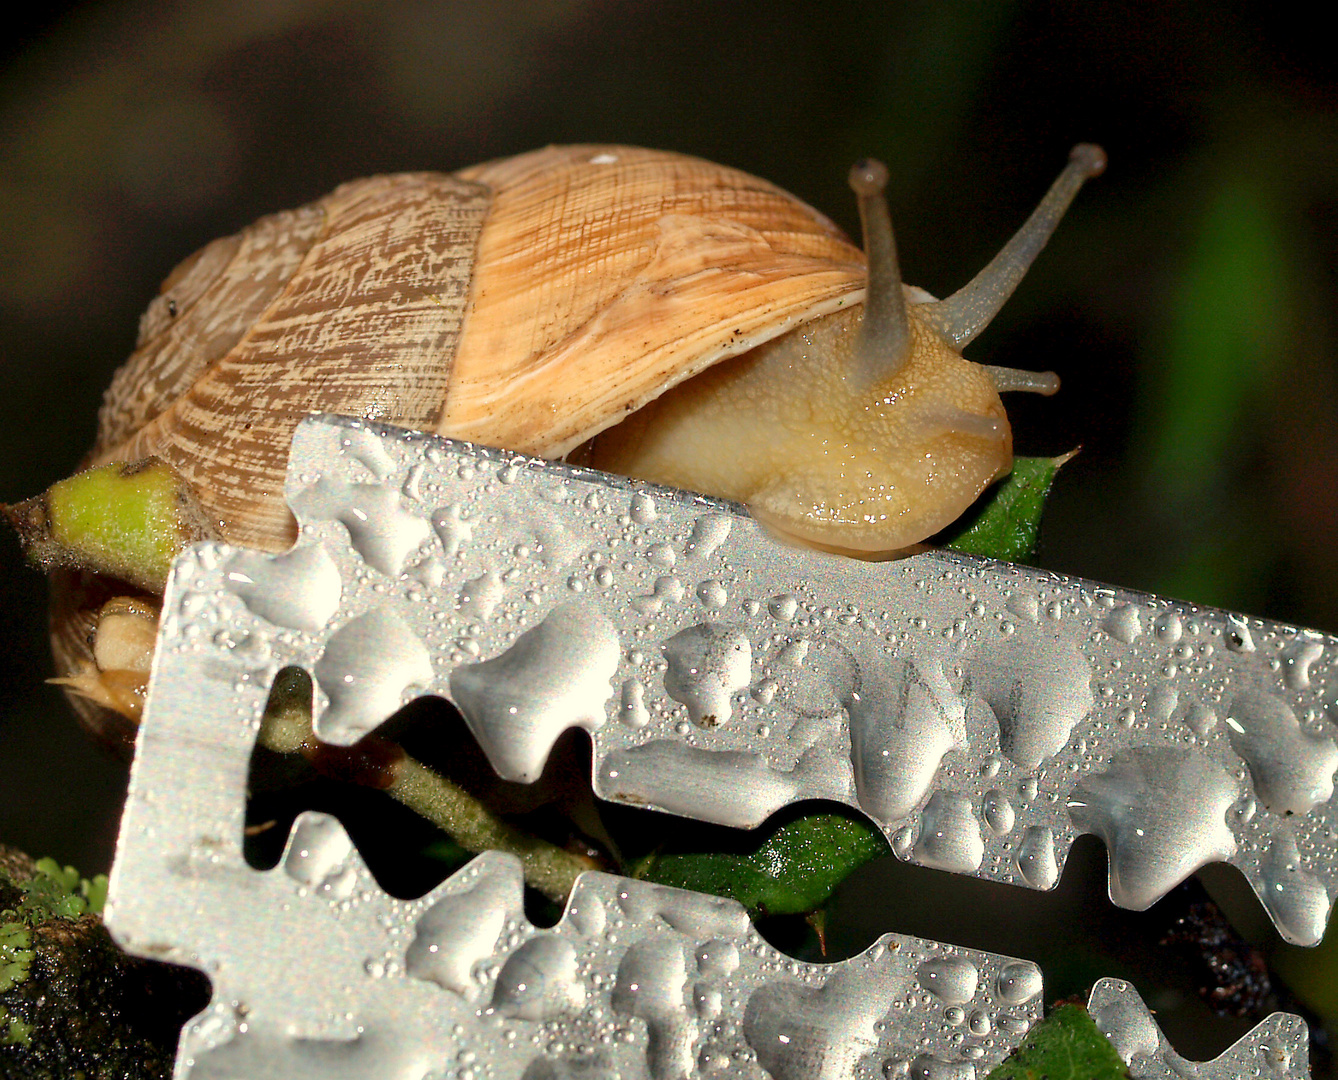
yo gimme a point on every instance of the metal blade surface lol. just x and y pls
(320, 975)
(982, 714)
(1278, 1046)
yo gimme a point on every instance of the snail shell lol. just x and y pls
(528, 303)
(537, 301)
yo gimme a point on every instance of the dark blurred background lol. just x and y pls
(1187, 303)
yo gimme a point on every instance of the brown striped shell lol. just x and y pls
(528, 303)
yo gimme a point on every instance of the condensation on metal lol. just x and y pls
(983, 714)
(1277, 1047)
(318, 974)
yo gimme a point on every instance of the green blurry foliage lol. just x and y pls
(1227, 340)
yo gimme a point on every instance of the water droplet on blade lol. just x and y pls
(1296, 663)
(1200, 718)
(1168, 627)
(586, 914)
(554, 676)
(452, 529)
(729, 787)
(1292, 768)
(1123, 624)
(642, 508)
(1296, 900)
(718, 958)
(650, 984)
(952, 979)
(903, 719)
(1038, 691)
(367, 666)
(300, 589)
(929, 1067)
(803, 1034)
(1126, 1022)
(707, 535)
(1237, 635)
(1025, 606)
(712, 594)
(479, 596)
(632, 710)
(708, 664)
(1019, 982)
(1162, 813)
(666, 590)
(997, 810)
(1160, 702)
(539, 981)
(1036, 860)
(461, 929)
(318, 853)
(949, 834)
(379, 528)
(366, 447)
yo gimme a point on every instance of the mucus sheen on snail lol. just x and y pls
(658, 315)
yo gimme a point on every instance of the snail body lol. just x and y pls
(572, 300)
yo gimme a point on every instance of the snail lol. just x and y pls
(659, 315)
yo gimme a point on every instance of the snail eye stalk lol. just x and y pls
(962, 316)
(885, 336)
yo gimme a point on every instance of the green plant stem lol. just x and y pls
(286, 729)
(548, 868)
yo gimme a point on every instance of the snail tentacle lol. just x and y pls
(962, 316)
(885, 336)
(1007, 380)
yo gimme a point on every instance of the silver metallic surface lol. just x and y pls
(983, 714)
(1278, 1047)
(319, 974)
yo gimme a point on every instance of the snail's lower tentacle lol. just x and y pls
(1008, 379)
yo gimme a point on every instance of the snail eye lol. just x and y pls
(171, 307)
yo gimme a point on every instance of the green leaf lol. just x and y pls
(792, 871)
(1066, 1045)
(13, 1031)
(15, 954)
(1003, 525)
(65, 878)
(59, 892)
(95, 893)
